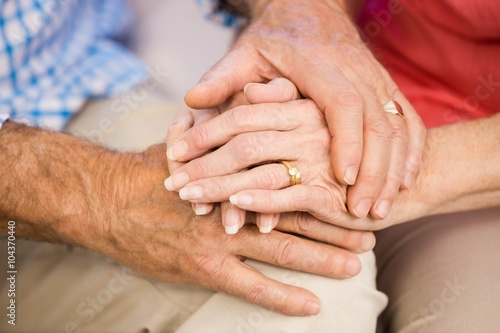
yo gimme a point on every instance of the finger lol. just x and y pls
(271, 176)
(394, 176)
(375, 160)
(226, 77)
(416, 140)
(302, 198)
(267, 222)
(238, 279)
(244, 151)
(202, 209)
(233, 217)
(306, 225)
(177, 147)
(299, 254)
(244, 119)
(183, 121)
(276, 91)
(344, 107)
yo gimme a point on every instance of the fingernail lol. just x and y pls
(351, 174)
(241, 199)
(177, 180)
(363, 208)
(168, 184)
(265, 229)
(231, 222)
(232, 230)
(266, 223)
(367, 242)
(408, 180)
(191, 193)
(178, 150)
(201, 209)
(312, 308)
(352, 267)
(246, 87)
(383, 209)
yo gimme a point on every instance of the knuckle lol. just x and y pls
(381, 129)
(205, 265)
(322, 140)
(286, 252)
(200, 137)
(375, 180)
(257, 292)
(287, 92)
(399, 133)
(393, 181)
(247, 147)
(350, 99)
(216, 189)
(241, 117)
(348, 237)
(305, 223)
(200, 169)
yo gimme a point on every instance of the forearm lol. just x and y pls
(52, 184)
(461, 171)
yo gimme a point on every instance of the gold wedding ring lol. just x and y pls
(393, 107)
(293, 172)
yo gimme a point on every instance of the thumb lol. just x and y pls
(226, 77)
(279, 90)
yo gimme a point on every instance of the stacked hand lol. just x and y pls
(249, 141)
(155, 233)
(315, 44)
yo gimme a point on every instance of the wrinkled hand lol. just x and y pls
(316, 45)
(153, 232)
(251, 138)
(276, 91)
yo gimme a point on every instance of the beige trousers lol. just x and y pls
(65, 289)
(442, 274)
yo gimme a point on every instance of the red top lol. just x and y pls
(443, 54)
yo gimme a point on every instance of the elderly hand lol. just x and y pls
(316, 45)
(233, 218)
(253, 137)
(153, 232)
(115, 204)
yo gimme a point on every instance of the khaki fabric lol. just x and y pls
(442, 274)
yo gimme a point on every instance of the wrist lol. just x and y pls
(255, 8)
(127, 182)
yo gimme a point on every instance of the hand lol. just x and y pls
(316, 45)
(233, 218)
(153, 232)
(260, 134)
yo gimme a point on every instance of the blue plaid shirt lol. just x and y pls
(56, 54)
